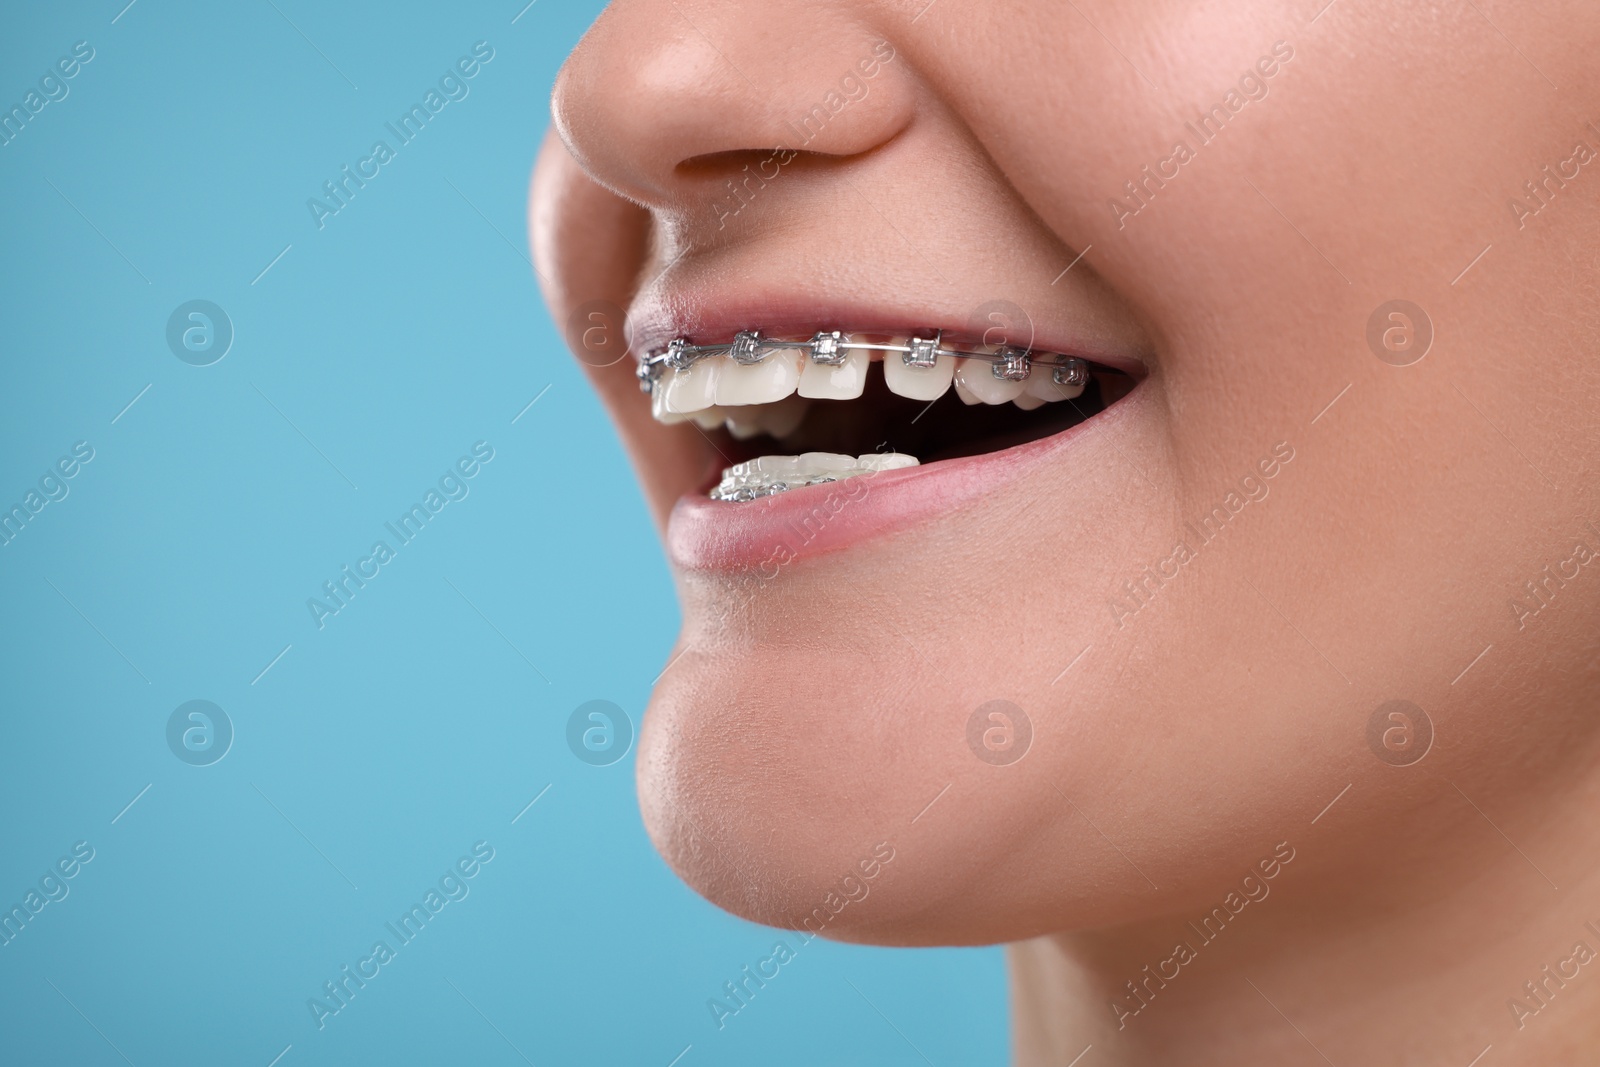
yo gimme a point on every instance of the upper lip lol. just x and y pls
(712, 317)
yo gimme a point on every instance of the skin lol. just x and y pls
(807, 718)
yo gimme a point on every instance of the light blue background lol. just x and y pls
(375, 751)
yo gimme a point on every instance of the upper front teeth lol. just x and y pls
(921, 374)
(684, 378)
(746, 380)
(838, 375)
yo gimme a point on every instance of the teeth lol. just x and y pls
(744, 424)
(688, 391)
(917, 383)
(775, 474)
(658, 408)
(780, 419)
(708, 418)
(1042, 386)
(784, 417)
(774, 378)
(751, 383)
(839, 381)
(977, 378)
(887, 461)
(777, 420)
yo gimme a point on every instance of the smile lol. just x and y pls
(817, 399)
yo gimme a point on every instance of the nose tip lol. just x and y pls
(662, 97)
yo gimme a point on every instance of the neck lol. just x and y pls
(1432, 944)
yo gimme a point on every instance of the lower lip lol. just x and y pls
(773, 531)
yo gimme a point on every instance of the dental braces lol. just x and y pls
(746, 493)
(829, 348)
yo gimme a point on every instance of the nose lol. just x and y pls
(666, 100)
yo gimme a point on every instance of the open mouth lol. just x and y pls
(791, 411)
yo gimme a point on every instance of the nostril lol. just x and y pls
(718, 165)
(764, 161)
(733, 180)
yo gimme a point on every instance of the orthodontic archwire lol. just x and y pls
(830, 348)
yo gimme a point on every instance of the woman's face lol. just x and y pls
(1312, 501)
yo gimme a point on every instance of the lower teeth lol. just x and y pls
(776, 474)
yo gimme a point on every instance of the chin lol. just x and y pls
(808, 759)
